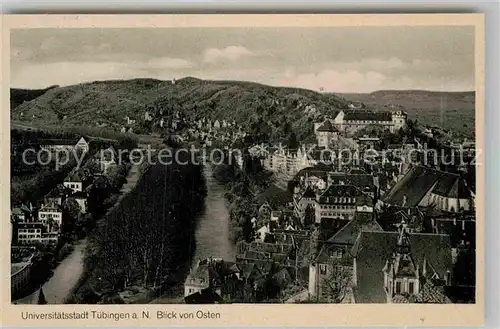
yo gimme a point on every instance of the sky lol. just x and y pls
(333, 59)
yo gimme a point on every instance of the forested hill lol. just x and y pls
(110, 102)
(18, 96)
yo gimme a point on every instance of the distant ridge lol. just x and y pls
(248, 103)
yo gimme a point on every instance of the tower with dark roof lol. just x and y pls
(325, 133)
(401, 275)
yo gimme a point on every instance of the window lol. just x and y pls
(322, 269)
(411, 287)
(398, 287)
(448, 278)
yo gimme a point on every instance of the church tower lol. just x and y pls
(401, 275)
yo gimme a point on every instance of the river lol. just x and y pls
(212, 231)
(212, 240)
(66, 275)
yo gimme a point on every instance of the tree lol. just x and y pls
(337, 284)
(292, 142)
(72, 207)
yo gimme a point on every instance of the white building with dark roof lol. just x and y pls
(352, 120)
(423, 186)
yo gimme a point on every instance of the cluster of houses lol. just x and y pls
(208, 131)
(43, 224)
(334, 135)
(356, 233)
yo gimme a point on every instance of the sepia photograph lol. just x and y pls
(242, 165)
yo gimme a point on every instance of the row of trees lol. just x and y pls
(243, 188)
(150, 233)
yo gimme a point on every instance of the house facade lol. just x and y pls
(338, 202)
(81, 144)
(50, 216)
(326, 133)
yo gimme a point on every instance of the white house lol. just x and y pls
(50, 215)
(261, 232)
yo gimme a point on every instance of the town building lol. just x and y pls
(22, 213)
(20, 269)
(50, 215)
(326, 133)
(29, 233)
(108, 159)
(350, 121)
(129, 120)
(401, 267)
(340, 202)
(423, 186)
(77, 180)
(65, 145)
(210, 273)
(81, 199)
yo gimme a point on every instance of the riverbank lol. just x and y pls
(64, 278)
(212, 235)
(68, 273)
(140, 247)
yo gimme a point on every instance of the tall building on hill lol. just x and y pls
(352, 120)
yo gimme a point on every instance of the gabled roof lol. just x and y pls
(60, 141)
(359, 180)
(327, 127)
(349, 233)
(373, 249)
(79, 195)
(341, 190)
(430, 294)
(366, 115)
(452, 186)
(414, 185)
(419, 180)
(205, 296)
(318, 171)
(50, 206)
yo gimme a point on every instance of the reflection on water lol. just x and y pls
(212, 232)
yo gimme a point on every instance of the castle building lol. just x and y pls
(352, 120)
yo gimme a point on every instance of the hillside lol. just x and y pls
(110, 102)
(18, 96)
(451, 110)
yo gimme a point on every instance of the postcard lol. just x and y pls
(224, 170)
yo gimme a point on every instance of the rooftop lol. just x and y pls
(419, 180)
(372, 249)
(349, 233)
(327, 127)
(365, 115)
